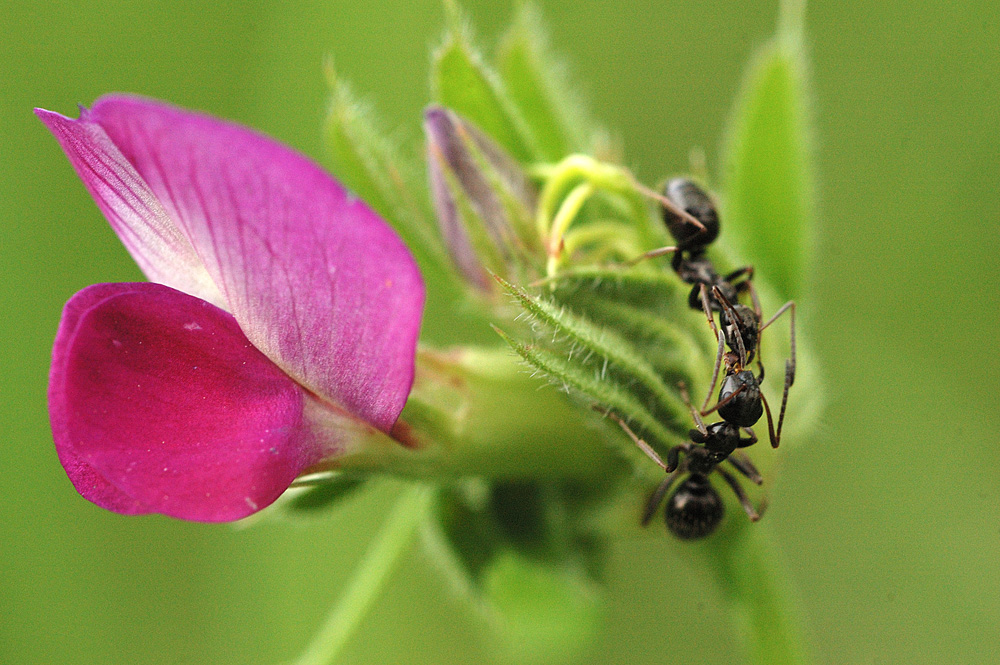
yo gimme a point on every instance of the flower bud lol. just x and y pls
(482, 197)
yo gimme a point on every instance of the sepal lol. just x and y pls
(377, 171)
(462, 80)
(767, 174)
(538, 85)
(606, 367)
(312, 495)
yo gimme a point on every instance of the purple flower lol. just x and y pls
(278, 329)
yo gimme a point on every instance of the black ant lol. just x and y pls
(689, 260)
(740, 400)
(695, 509)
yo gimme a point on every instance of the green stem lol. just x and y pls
(749, 570)
(378, 563)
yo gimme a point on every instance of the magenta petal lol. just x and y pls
(317, 281)
(159, 403)
(157, 244)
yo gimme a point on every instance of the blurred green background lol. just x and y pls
(888, 519)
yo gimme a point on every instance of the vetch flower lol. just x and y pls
(278, 330)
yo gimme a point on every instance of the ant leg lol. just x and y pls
(694, 414)
(673, 457)
(722, 346)
(741, 495)
(726, 401)
(735, 321)
(715, 371)
(789, 364)
(657, 498)
(745, 271)
(743, 464)
(789, 380)
(643, 446)
(754, 299)
(760, 317)
(705, 307)
(651, 254)
(775, 439)
(790, 305)
(750, 440)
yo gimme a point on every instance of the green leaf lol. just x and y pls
(462, 81)
(536, 83)
(546, 613)
(768, 181)
(525, 558)
(648, 308)
(657, 290)
(674, 353)
(748, 570)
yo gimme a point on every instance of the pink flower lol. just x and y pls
(278, 330)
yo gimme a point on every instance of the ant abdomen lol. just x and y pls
(695, 509)
(697, 203)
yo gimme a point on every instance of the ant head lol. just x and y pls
(695, 509)
(741, 394)
(696, 202)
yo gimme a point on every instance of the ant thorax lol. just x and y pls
(696, 269)
(700, 460)
(747, 324)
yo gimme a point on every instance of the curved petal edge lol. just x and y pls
(159, 403)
